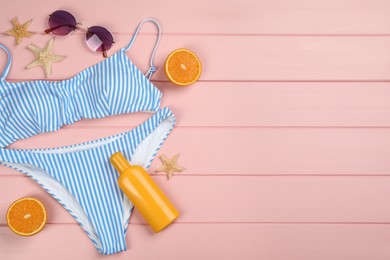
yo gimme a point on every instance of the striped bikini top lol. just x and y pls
(113, 86)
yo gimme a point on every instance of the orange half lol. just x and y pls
(183, 67)
(26, 216)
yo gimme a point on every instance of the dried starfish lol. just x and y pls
(44, 57)
(19, 30)
(169, 165)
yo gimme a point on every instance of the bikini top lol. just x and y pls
(110, 87)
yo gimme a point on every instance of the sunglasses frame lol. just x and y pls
(81, 27)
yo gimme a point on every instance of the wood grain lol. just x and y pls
(211, 241)
(254, 151)
(267, 104)
(248, 199)
(270, 104)
(228, 58)
(218, 16)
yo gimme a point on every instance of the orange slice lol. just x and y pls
(26, 216)
(183, 67)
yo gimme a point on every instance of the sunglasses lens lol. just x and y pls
(99, 39)
(62, 23)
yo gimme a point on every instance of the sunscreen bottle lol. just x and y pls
(144, 193)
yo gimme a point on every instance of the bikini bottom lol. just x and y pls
(81, 178)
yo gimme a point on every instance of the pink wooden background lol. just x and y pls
(285, 138)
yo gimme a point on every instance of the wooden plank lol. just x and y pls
(267, 104)
(255, 151)
(202, 16)
(246, 58)
(213, 199)
(221, 241)
(259, 104)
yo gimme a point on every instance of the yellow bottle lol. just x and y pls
(143, 192)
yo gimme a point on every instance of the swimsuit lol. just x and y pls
(113, 86)
(80, 177)
(84, 182)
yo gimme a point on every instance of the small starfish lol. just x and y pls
(19, 30)
(44, 57)
(169, 165)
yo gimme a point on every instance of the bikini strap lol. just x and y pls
(152, 68)
(9, 61)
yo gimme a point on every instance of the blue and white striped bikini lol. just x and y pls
(80, 176)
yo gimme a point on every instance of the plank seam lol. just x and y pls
(294, 35)
(239, 126)
(245, 223)
(241, 80)
(243, 175)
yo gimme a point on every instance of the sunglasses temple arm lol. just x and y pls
(55, 28)
(104, 52)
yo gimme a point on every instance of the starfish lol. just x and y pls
(44, 57)
(169, 165)
(19, 30)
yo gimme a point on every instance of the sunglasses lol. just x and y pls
(98, 38)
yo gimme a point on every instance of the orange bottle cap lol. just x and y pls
(119, 162)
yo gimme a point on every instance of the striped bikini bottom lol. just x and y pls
(81, 178)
